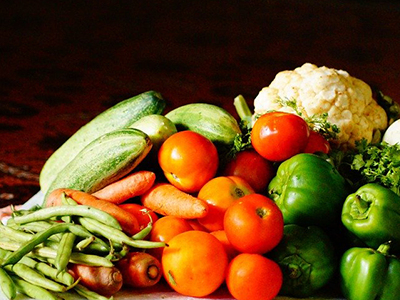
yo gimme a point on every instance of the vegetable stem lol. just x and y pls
(243, 110)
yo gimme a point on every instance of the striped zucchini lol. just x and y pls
(121, 115)
(105, 160)
(210, 120)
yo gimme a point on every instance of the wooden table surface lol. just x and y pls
(63, 62)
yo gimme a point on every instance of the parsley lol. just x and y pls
(378, 163)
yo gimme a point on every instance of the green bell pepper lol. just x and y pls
(372, 214)
(307, 259)
(309, 191)
(368, 274)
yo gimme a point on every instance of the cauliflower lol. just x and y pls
(347, 101)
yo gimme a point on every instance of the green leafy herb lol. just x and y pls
(370, 163)
(318, 123)
(378, 163)
(241, 141)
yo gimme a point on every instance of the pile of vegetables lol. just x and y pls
(271, 204)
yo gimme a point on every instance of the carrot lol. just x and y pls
(127, 220)
(166, 199)
(140, 269)
(133, 185)
(105, 281)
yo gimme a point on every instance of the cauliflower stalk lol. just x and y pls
(346, 100)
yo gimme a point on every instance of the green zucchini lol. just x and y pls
(105, 160)
(211, 121)
(157, 127)
(121, 115)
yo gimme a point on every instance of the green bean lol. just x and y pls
(61, 277)
(88, 294)
(30, 275)
(93, 248)
(46, 252)
(144, 232)
(70, 210)
(14, 234)
(117, 236)
(81, 245)
(32, 243)
(4, 253)
(7, 285)
(31, 290)
(64, 251)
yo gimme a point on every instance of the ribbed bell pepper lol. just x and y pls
(307, 259)
(309, 191)
(372, 214)
(368, 274)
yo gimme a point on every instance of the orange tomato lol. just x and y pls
(194, 263)
(221, 236)
(194, 223)
(220, 193)
(164, 229)
(253, 277)
(252, 167)
(188, 160)
(142, 214)
(254, 224)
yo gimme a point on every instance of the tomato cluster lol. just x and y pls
(242, 224)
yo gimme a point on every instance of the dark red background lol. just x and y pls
(63, 62)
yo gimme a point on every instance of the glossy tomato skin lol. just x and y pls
(252, 167)
(194, 263)
(188, 160)
(164, 229)
(254, 224)
(277, 136)
(220, 192)
(253, 277)
(317, 143)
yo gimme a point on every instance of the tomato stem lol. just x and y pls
(262, 212)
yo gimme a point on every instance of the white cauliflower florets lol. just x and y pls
(347, 100)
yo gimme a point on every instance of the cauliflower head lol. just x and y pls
(348, 101)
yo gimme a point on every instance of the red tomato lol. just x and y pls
(253, 277)
(220, 193)
(188, 160)
(165, 229)
(317, 143)
(252, 167)
(254, 224)
(277, 136)
(142, 214)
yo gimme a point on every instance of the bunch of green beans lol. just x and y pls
(37, 245)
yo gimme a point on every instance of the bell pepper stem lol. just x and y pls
(295, 271)
(361, 204)
(384, 248)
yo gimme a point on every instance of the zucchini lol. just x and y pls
(210, 120)
(105, 160)
(157, 127)
(121, 115)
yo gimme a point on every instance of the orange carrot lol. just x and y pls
(166, 199)
(128, 222)
(133, 185)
